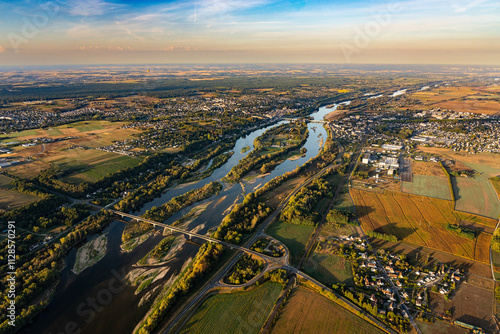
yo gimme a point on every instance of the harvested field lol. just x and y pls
(465, 99)
(418, 220)
(308, 312)
(428, 185)
(239, 312)
(427, 168)
(435, 257)
(472, 304)
(476, 195)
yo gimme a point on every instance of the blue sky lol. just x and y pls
(112, 31)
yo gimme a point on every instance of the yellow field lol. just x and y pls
(309, 312)
(420, 220)
(461, 99)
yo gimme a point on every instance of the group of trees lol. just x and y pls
(402, 133)
(382, 236)
(450, 184)
(341, 217)
(204, 261)
(180, 202)
(462, 231)
(242, 219)
(159, 251)
(135, 229)
(300, 209)
(244, 270)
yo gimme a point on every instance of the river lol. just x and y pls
(98, 301)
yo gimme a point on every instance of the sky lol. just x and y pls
(36, 32)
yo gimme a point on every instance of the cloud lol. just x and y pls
(210, 9)
(1, 49)
(91, 7)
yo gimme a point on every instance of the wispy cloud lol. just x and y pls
(91, 7)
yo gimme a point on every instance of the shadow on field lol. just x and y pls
(362, 210)
(456, 189)
(400, 232)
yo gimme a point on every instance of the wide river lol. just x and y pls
(97, 301)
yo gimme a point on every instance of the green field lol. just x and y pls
(308, 312)
(90, 165)
(10, 199)
(5, 181)
(428, 185)
(329, 268)
(476, 195)
(7, 138)
(343, 201)
(295, 237)
(239, 312)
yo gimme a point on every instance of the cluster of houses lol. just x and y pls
(389, 278)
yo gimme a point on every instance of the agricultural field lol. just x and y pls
(89, 134)
(427, 168)
(487, 164)
(11, 199)
(308, 312)
(239, 312)
(329, 268)
(428, 185)
(434, 257)
(476, 195)
(421, 221)
(294, 237)
(465, 99)
(472, 303)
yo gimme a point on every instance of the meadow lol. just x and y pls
(239, 312)
(476, 195)
(308, 312)
(329, 268)
(428, 185)
(294, 237)
(421, 221)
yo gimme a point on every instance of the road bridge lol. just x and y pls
(267, 259)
